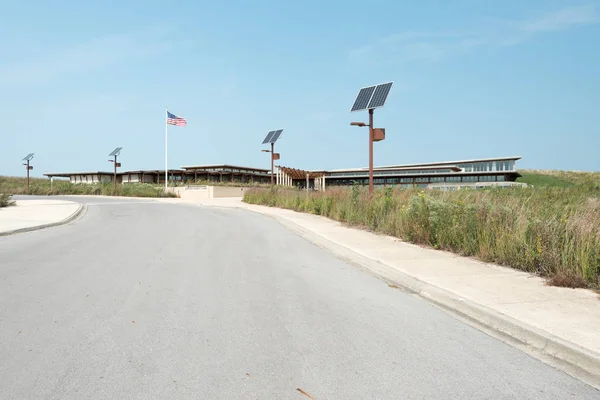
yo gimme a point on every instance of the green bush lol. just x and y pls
(5, 200)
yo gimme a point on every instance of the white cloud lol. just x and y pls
(561, 19)
(435, 46)
(88, 56)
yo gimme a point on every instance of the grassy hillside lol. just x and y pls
(564, 179)
(551, 229)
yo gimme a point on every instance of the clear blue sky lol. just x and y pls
(472, 79)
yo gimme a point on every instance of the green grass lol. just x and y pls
(5, 200)
(564, 179)
(552, 230)
(38, 186)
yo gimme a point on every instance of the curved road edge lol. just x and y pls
(75, 215)
(572, 359)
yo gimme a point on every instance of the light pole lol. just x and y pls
(114, 154)
(28, 158)
(369, 98)
(272, 138)
(375, 135)
(274, 156)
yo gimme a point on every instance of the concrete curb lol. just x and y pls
(569, 357)
(80, 211)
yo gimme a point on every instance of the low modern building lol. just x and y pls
(227, 173)
(446, 175)
(85, 177)
(211, 173)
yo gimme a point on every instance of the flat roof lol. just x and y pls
(146, 171)
(431, 165)
(362, 174)
(68, 174)
(455, 162)
(405, 168)
(149, 171)
(210, 166)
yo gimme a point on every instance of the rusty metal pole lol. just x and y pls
(370, 152)
(115, 176)
(27, 176)
(272, 161)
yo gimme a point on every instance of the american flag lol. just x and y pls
(173, 119)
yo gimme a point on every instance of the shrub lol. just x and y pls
(5, 200)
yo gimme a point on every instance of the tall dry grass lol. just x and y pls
(37, 186)
(553, 232)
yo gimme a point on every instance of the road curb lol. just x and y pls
(579, 362)
(79, 212)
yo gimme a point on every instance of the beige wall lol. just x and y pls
(207, 192)
(228, 191)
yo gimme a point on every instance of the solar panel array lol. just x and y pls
(272, 136)
(372, 97)
(362, 100)
(268, 137)
(115, 152)
(28, 157)
(276, 135)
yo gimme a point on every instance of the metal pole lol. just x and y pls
(272, 161)
(115, 176)
(166, 146)
(27, 176)
(370, 152)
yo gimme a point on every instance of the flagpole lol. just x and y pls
(166, 147)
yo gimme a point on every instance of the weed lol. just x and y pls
(553, 231)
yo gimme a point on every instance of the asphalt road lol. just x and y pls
(142, 300)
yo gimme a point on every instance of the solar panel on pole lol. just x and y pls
(268, 137)
(28, 157)
(380, 95)
(275, 136)
(362, 100)
(116, 152)
(372, 97)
